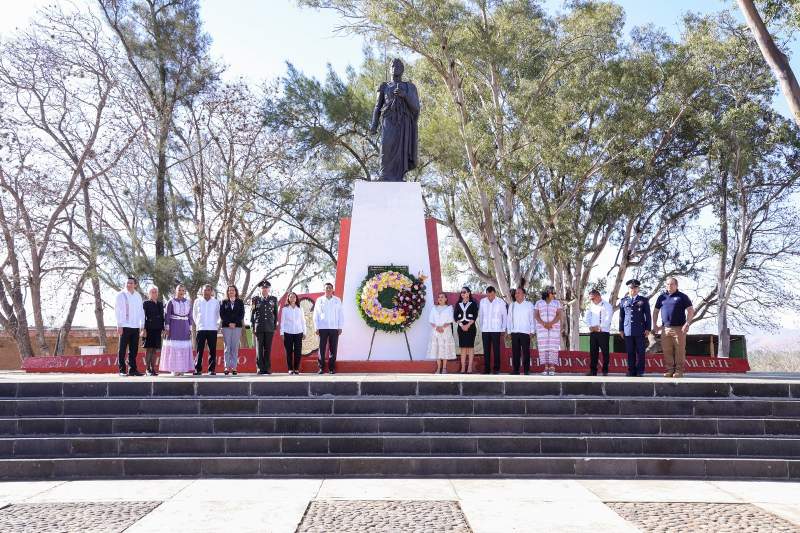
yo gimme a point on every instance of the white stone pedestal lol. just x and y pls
(387, 228)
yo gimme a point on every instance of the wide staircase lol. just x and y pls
(371, 426)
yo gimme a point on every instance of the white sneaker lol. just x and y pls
(551, 372)
(546, 373)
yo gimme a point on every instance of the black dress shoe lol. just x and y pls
(234, 372)
(135, 373)
(261, 373)
(331, 371)
(212, 373)
(123, 373)
(320, 371)
(196, 373)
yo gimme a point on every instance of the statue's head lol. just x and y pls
(397, 67)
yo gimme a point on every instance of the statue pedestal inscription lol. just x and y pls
(387, 227)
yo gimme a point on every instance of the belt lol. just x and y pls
(178, 317)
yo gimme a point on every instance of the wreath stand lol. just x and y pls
(408, 345)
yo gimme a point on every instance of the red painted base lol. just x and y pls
(571, 363)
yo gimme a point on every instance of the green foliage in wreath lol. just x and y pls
(391, 301)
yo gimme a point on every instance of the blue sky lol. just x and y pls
(256, 38)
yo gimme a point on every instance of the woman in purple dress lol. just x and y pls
(176, 356)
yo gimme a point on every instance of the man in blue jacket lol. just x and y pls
(634, 326)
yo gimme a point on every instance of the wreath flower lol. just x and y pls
(407, 294)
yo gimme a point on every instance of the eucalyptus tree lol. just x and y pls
(788, 11)
(752, 169)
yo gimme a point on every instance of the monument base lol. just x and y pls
(387, 227)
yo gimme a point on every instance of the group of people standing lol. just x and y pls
(522, 319)
(518, 321)
(168, 328)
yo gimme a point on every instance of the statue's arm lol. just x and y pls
(376, 113)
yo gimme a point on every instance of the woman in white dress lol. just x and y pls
(441, 347)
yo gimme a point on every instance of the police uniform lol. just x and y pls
(634, 321)
(264, 321)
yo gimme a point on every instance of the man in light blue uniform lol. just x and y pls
(634, 326)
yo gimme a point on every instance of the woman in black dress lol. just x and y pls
(465, 313)
(153, 329)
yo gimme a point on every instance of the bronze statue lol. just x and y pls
(397, 109)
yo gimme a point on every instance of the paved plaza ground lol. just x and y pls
(395, 505)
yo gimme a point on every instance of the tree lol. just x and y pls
(777, 59)
(753, 167)
(168, 53)
(57, 81)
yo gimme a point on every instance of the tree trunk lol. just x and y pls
(63, 333)
(38, 318)
(777, 60)
(724, 342)
(93, 268)
(161, 196)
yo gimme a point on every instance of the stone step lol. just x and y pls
(409, 425)
(390, 445)
(313, 386)
(399, 466)
(349, 405)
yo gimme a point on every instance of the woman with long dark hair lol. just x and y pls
(293, 331)
(231, 316)
(465, 314)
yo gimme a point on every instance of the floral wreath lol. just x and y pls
(391, 301)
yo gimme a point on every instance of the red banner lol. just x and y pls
(570, 363)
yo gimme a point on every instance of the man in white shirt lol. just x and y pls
(130, 317)
(492, 322)
(598, 319)
(206, 316)
(520, 325)
(328, 325)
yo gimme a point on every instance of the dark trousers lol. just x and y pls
(264, 351)
(520, 349)
(293, 343)
(491, 345)
(328, 339)
(598, 341)
(206, 337)
(635, 347)
(129, 340)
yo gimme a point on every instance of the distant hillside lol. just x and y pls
(779, 341)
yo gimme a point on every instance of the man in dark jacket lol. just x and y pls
(263, 321)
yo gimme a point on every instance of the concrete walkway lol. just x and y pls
(278, 506)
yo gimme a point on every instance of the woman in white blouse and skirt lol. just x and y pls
(293, 331)
(441, 347)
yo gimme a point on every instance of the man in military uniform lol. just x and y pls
(634, 326)
(263, 321)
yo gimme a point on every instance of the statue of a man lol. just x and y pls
(397, 110)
